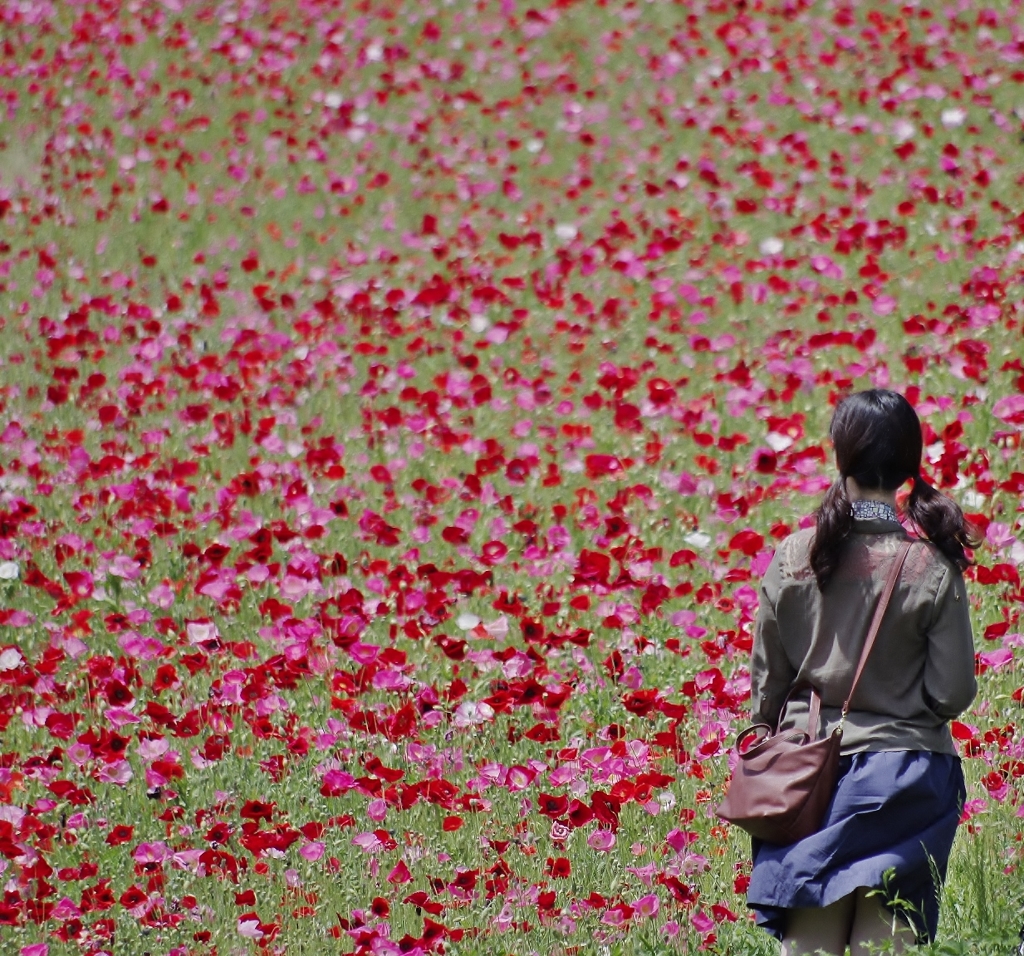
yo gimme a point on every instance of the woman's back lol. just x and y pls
(877, 861)
(920, 672)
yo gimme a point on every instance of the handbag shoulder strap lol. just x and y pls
(876, 621)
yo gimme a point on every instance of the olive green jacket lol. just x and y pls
(920, 673)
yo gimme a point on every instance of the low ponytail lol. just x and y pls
(834, 521)
(941, 521)
(877, 439)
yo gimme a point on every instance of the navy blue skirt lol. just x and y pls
(890, 826)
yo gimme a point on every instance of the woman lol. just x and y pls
(868, 874)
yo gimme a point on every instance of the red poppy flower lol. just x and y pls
(121, 833)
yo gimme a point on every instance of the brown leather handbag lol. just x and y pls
(783, 782)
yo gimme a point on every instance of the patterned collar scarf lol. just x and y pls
(867, 510)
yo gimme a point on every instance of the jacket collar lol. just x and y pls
(878, 526)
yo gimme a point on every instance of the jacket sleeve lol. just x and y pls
(949, 681)
(771, 673)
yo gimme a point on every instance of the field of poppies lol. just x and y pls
(399, 403)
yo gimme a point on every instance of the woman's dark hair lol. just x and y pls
(877, 440)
